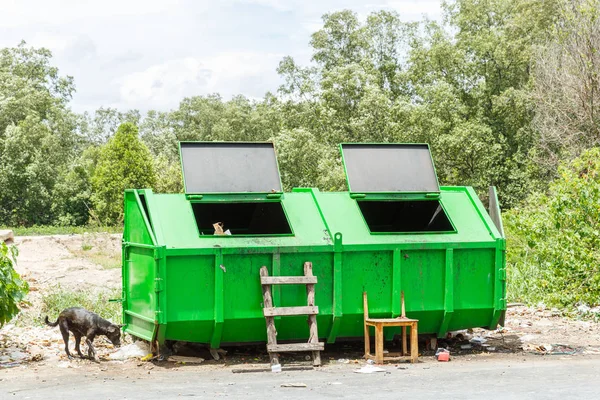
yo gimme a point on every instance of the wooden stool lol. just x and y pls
(379, 323)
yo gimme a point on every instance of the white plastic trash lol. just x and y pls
(138, 349)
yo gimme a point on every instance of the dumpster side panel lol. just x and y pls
(140, 292)
(191, 306)
(365, 271)
(138, 270)
(474, 276)
(242, 298)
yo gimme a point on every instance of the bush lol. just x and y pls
(12, 288)
(554, 239)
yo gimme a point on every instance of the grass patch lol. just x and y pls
(86, 247)
(57, 299)
(62, 230)
(104, 257)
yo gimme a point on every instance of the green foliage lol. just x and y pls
(31, 161)
(62, 230)
(169, 178)
(124, 163)
(554, 239)
(57, 299)
(12, 288)
(30, 86)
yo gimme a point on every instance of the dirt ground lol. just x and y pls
(92, 262)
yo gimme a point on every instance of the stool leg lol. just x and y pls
(379, 344)
(414, 343)
(367, 342)
(404, 351)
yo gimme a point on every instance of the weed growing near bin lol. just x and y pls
(57, 299)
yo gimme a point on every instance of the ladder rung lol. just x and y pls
(295, 347)
(282, 311)
(288, 280)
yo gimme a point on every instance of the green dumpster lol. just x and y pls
(395, 230)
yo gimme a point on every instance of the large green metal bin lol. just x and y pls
(181, 282)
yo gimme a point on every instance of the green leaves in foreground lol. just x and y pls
(554, 239)
(12, 288)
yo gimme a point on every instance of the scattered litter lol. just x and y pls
(561, 349)
(10, 364)
(371, 362)
(185, 360)
(369, 369)
(550, 349)
(276, 368)
(466, 346)
(459, 335)
(138, 349)
(491, 348)
(442, 354)
(478, 340)
(18, 355)
(402, 367)
(544, 348)
(147, 357)
(299, 385)
(343, 361)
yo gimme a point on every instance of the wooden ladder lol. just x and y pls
(310, 310)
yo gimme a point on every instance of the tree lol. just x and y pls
(567, 85)
(32, 160)
(38, 135)
(98, 127)
(30, 86)
(124, 163)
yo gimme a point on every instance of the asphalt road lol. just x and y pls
(548, 377)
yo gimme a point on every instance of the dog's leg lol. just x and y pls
(89, 339)
(64, 330)
(77, 343)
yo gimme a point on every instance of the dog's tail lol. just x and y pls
(50, 323)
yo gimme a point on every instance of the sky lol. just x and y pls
(150, 54)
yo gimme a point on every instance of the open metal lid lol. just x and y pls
(385, 168)
(217, 167)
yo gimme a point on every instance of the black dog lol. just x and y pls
(85, 323)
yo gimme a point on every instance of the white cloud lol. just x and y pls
(164, 85)
(70, 46)
(25, 12)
